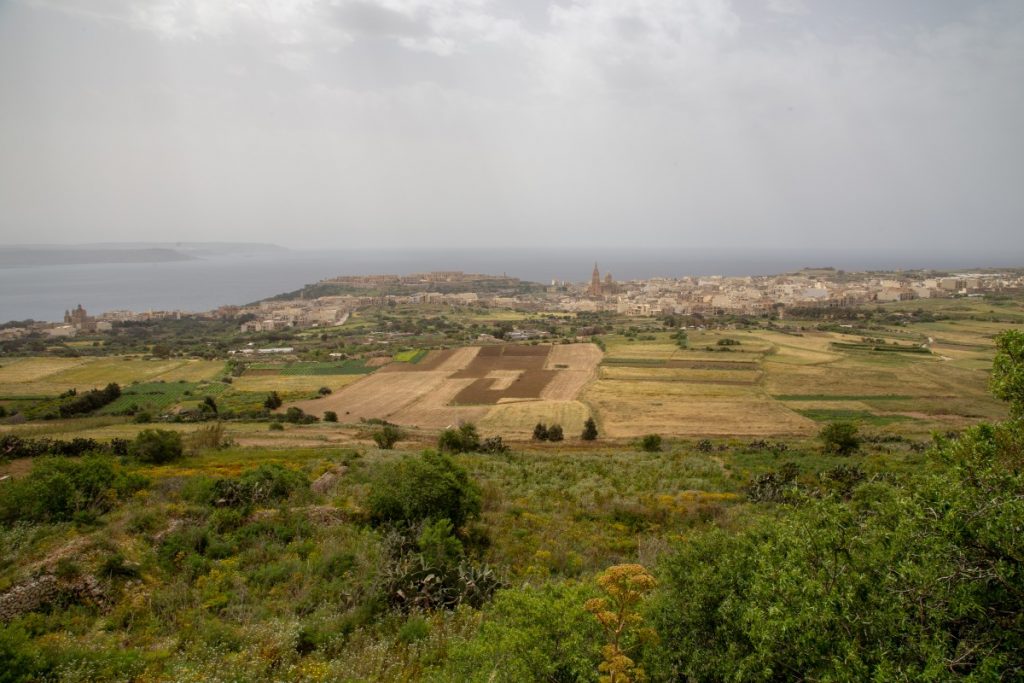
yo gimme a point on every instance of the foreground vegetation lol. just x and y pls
(862, 550)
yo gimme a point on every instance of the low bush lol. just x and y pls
(58, 489)
(464, 439)
(650, 443)
(417, 488)
(387, 436)
(157, 446)
(840, 438)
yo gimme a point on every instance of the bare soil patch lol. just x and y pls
(483, 391)
(378, 395)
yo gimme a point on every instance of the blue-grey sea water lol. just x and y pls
(44, 292)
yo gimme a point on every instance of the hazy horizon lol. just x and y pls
(484, 124)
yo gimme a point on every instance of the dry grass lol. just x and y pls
(516, 420)
(21, 370)
(293, 383)
(580, 361)
(379, 395)
(49, 376)
(433, 412)
(574, 357)
(679, 375)
(627, 409)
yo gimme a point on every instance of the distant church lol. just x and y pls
(599, 288)
(77, 317)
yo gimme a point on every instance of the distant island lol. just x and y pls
(123, 252)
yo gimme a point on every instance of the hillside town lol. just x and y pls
(712, 295)
(705, 295)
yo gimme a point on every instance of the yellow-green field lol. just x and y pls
(292, 383)
(782, 381)
(778, 383)
(51, 376)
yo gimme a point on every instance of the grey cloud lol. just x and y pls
(367, 18)
(686, 122)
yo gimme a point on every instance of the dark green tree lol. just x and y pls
(555, 433)
(1008, 371)
(840, 438)
(463, 439)
(273, 401)
(540, 432)
(416, 488)
(387, 436)
(589, 430)
(156, 446)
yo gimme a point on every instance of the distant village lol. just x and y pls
(703, 295)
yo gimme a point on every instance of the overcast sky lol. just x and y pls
(786, 123)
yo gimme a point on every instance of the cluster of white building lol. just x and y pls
(717, 295)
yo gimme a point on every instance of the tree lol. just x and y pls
(208, 405)
(1008, 371)
(462, 440)
(416, 488)
(273, 401)
(540, 432)
(330, 416)
(156, 446)
(387, 436)
(840, 438)
(589, 430)
(555, 433)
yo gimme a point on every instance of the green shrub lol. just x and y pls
(276, 427)
(415, 628)
(20, 660)
(387, 436)
(650, 443)
(902, 582)
(465, 439)
(493, 445)
(840, 438)
(589, 430)
(416, 488)
(540, 432)
(157, 446)
(330, 416)
(268, 483)
(537, 634)
(60, 488)
(295, 415)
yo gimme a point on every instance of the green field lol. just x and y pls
(355, 366)
(410, 356)
(158, 397)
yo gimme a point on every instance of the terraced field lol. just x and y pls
(473, 384)
(52, 376)
(778, 382)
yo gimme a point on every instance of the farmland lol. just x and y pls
(469, 384)
(35, 376)
(305, 585)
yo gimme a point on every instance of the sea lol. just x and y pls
(45, 292)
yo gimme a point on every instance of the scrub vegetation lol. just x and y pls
(868, 534)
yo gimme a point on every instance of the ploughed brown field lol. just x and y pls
(468, 384)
